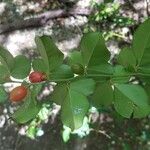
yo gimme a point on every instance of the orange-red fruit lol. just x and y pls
(18, 94)
(36, 76)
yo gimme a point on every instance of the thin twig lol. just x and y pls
(101, 132)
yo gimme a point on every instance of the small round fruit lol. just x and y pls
(18, 94)
(77, 69)
(36, 76)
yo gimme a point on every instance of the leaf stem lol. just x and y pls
(62, 80)
(87, 75)
(111, 75)
(143, 74)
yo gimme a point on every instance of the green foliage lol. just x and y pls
(22, 67)
(3, 95)
(4, 74)
(108, 17)
(102, 84)
(74, 108)
(34, 130)
(127, 101)
(93, 50)
(126, 58)
(59, 93)
(52, 57)
(120, 75)
(61, 73)
(73, 100)
(141, 45)
(8, 58)
(6, 64)
(75, 57)
(28, 110)
(38, 64)
(103, 95)
(110, 11)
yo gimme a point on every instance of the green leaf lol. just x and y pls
(75, 57)
(100, 73)
(75, 104)
(8, 58)
(126, 58)
(59, 93)
(51, 55)
(2, 62)
(123, 105)
(22, 67)
(131, 99)
(101, 69)
(147, 89)
(38, 64)
(27, 111)
(93, 49)
(144, 70)
(143, 74)
(3, 95)
(140, 112)
(36, 89)
(63, 72)
(72, 98)
(134, 92)
(120, 75)
(4, 71)
(74, 109)
(83, 86)
(103, 95)
(141, 44)
(4, 74)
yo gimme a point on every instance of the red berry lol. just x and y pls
(18, 93)
(37, 77)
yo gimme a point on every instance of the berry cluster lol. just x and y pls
(20, 92)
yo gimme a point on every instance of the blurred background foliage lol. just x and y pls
(102, 129)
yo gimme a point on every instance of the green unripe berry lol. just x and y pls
(77, 69)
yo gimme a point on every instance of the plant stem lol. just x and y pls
(87, 75)
(111, 75)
